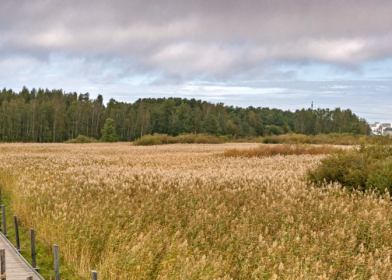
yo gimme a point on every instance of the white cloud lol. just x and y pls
(251, 52)
(189, 39)
(340, 87)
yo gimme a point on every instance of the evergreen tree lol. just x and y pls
(109, 133)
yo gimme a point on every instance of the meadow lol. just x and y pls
(188, 211)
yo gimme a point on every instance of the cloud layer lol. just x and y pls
(170, 47)
(204, 39)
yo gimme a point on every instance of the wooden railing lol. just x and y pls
(3, 229)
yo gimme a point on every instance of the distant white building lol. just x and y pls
(388, 133)
(381, 128)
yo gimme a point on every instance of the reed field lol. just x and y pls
(190, 211)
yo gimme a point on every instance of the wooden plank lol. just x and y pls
(16, 266)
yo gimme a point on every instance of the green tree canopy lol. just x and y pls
(286, 128)
(42, 115)
(210, 124)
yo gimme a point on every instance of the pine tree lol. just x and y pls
(109, 132)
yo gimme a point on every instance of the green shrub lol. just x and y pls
(270, 140)
(381, 176)
(183, 138)
(364, 168)
(160, 139)
(148, 140)
(348, 168)
(207, 139)
(82, 139)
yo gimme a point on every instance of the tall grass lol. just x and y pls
(327, 139)
(181, 212)
(321, 139)
(284, 150)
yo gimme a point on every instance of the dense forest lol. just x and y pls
(54, 116)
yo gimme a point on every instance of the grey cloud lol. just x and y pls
(200, 39)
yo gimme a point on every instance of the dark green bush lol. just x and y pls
(368, 167)
(160, 139)
(381, 176)
(270, 140)
(82, 139)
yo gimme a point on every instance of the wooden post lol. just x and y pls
(1, 209)
(4, 221)
(94, 275)
(56, 262)
(2, 265)
(1, 199)
(33, 255)
(17, 233)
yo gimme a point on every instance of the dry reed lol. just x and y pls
(284, 150)
(180, 212)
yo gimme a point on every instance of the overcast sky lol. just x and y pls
(276, 53)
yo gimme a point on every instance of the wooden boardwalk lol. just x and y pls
(17, 267)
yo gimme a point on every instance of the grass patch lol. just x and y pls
(285, 150)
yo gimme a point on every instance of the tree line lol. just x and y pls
(55, 116)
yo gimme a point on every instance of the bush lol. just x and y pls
(208, 139)
(381, 176)
(364, 168)
(148, 140)
(82, 139)
(183, 138)
(270, 140)
(160, 139)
